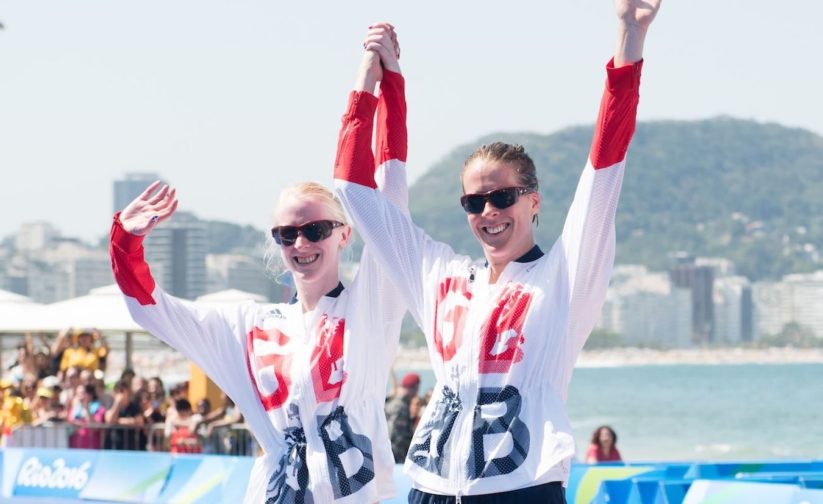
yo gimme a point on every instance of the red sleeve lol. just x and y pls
(391, 140)
(616, 119)
(130, 268)
(355, 160)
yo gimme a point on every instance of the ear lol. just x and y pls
(345, 237)
(534, 200)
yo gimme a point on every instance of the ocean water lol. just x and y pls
(700, 412)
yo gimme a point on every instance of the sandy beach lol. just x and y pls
(417, 358)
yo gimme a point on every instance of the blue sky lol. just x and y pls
(231, 101)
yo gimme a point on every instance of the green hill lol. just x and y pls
(748, 191)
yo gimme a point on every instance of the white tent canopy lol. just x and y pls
(102, 308)
(17, 312)
(7, 297)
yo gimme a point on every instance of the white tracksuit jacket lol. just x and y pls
(311, 386)
(502, 354)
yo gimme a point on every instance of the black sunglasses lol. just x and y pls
(313, 231)
(499, 198)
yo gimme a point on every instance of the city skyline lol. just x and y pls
(232, 103)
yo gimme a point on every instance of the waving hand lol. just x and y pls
(149, 209)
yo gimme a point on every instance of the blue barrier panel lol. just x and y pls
(674, 491)
(194, 479)
(731, 469)
(814, 482)
(127, 476)
(585, 480)
(645, 492)
(77, 476)
(52, 473)
(613, 492)
(722, 492)
(234, 487)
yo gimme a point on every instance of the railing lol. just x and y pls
(233, 439)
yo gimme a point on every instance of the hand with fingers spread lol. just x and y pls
(149, 209)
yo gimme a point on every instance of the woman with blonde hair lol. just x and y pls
(308, 376)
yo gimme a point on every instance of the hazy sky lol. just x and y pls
(231, 101)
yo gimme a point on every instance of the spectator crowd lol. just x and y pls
(59, 386)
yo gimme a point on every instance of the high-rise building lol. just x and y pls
(66, 270)
(700, 281)
(733, 310)
(35, 236)
(645, 308)
(176, 251)
(798, 298)
(241, 272)
(131, 186)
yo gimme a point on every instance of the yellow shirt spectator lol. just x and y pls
(83, 355)
(81, 358)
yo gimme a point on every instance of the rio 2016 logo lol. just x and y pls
(58, 475)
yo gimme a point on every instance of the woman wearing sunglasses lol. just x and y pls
(310, 376)
(503, 336)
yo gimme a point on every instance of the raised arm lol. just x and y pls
(588, 237)
(380, 64)
(213, 339)
(398, 245)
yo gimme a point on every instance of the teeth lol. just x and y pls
(306, 260)
(496, 229)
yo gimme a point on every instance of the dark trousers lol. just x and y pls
(548, 493)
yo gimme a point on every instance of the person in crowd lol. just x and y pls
(49, 409)
(178, 391)
(28, 390)
(156, 388)
(86, 376)
(183, 438)
(30, 363)
(127, 375)
(58, 348)
(398, 416)
(309, 376)
(88, 351)
(14, 412)
(603, 447)
(69, 382)
(503, 334)
(98, 380)
(154, 418)
(416, 408)
(217, 433)
(125, 420)
(87, 410)
(138, 385)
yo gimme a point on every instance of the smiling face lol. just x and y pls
(311, 263)
(505, 234)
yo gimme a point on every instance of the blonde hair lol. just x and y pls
(301, 190)
(317, 192)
